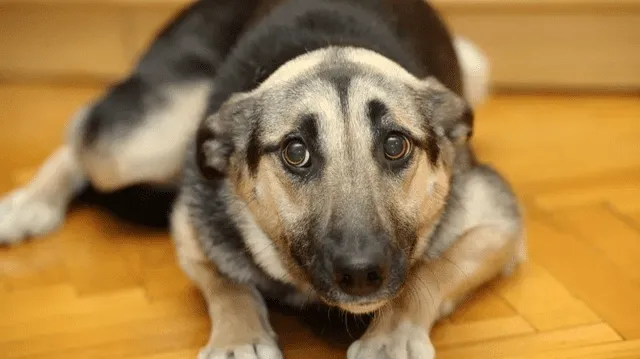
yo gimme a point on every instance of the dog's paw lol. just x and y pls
(407, 341)
(23, 214)
(248, 351)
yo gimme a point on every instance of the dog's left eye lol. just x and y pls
(296, 154)
(396, 146)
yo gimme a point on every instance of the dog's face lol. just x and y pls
(343, 160)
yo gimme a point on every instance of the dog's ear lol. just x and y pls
(215, 138)
(448, 114)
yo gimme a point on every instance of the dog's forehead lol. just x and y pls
(316, 60)
(336, 86)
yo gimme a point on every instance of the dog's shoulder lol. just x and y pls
(479, 196)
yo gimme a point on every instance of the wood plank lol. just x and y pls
(562, 312)
(102, 311)
(41, 109)
(525, 144)
(625, 197)
(482, 305)
(150, 336)
(537, 343)
(19, 301)
(618, 350)
(635, 218)
(32, 265)
(588, 275)
(607, 232)
(92, 246)
(455, 334)
(62, 305)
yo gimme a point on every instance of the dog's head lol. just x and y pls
(343, 160)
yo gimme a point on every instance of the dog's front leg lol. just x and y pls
(239, 316)
(401, 329)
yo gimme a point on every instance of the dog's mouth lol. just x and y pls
(334, 296)
(363, 308)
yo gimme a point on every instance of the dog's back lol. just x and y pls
(190, 55)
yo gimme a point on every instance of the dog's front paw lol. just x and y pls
(248, 351)
(406, 341)
(24, 214)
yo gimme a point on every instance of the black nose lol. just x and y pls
(359, 279)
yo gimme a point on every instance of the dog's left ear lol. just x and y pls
(449, 114)
(215, 138)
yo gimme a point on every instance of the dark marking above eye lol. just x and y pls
(340, 79)
(376, 110)
(433, 149)
(309, 129)
(254, 150)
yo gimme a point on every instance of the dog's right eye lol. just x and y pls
(296, 154)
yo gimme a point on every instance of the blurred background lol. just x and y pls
(533, 44)
(563, 126)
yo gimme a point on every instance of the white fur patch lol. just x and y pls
(24, 214)
(154, 152)
(475, 71)
(406, 341)
(247, 351)
(39, 207)
(263, 249)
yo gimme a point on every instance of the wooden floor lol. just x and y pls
(99, 288)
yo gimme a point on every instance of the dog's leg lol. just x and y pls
(40, 206)
(117, 151)
(401, 329)
(240, 321)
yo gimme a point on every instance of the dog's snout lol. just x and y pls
(359, 278)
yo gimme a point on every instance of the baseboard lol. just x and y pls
(555, 45)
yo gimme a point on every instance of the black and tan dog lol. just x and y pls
(320, 151)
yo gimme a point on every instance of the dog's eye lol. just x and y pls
(396, 146)
(296, 154)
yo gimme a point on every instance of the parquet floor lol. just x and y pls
(99, 288)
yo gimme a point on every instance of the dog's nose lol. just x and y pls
(359, 278)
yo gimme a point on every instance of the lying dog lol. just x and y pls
(321, 151)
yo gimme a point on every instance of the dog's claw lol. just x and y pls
(407, 341)
(248, 351)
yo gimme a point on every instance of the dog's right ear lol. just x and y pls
(214, 144)
(216, 136)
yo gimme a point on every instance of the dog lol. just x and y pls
(320, 153)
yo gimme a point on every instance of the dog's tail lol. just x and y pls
(475, 69)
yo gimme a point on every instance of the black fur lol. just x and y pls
(192, 47)
(293, 29)
(254, 149)
(376, 110)
(236, 45)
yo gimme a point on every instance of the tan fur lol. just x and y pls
(279, 213)
(239, 316)
(434, 289)
(428, 189)
(276, 205)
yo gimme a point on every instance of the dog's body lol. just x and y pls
(321, 83)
